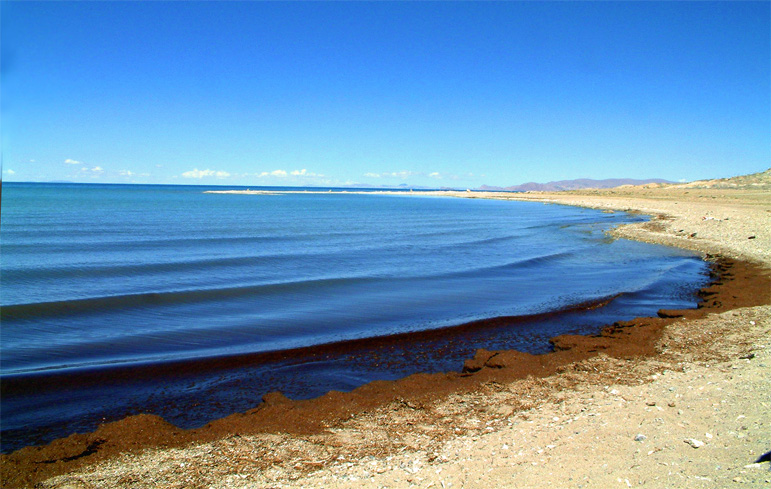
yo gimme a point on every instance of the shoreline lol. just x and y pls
(45, 379)
(644, 200)
(418, 390)
(399, 355)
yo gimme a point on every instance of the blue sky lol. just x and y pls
(455, 94)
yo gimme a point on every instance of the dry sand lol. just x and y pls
(694, 415)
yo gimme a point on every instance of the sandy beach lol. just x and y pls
(681, 400)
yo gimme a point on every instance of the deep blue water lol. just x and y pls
(108, 275)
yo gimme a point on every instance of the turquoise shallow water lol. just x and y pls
(103, 276)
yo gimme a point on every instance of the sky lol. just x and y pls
(438, 94)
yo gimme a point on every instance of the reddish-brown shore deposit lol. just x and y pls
(304, 443)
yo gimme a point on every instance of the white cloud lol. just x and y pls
(129, 173)
(403, 174)
(72, 162)
(93, 172)
(305, 173)
(274, 173)
(196, 173)
(394, 174)
(9, 172)
(406, 174)
(286, 174)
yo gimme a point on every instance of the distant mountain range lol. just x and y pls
(577, 184)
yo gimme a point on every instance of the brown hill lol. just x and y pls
(576, 184)
(757, 181)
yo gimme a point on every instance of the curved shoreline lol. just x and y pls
(623, 340)
(44, 379)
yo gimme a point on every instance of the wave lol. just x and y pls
(69, 271)
(170, 298)
(54, 244)
(154, 299)
(524, 263)
(137, 350)
(483, 241)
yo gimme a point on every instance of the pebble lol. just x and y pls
(694, 442)
(640, 437)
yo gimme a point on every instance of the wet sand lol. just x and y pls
(301, 442)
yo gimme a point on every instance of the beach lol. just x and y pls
(675, 401)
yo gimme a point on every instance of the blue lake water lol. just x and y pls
(98, 276)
